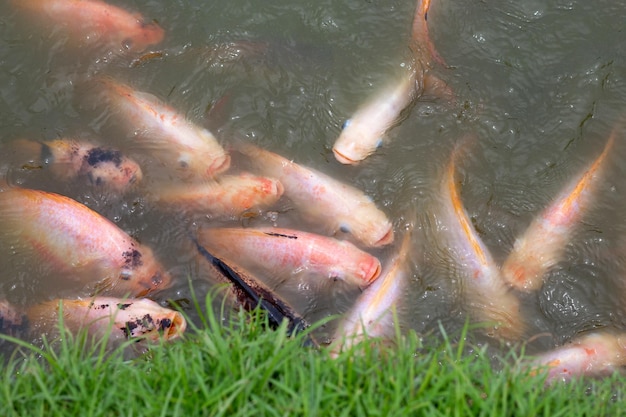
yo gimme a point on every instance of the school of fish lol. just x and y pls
(105, 280)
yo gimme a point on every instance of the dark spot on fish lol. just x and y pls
(96, 156)
(145, 324)
(46, 154)
(101, 307)
(156, 279)
(132, 258)
(124, 306)
(281, 235)
(164, 325)
(97, 181)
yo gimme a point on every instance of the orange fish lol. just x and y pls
(543, 243)
(119, 318)
(364, 132)
(593, 354)
(324, 200)
(228, 195)
(68, 159)
(190, 150)
(72, 239)
(374, 311)
(490, 300)
(285, 251)
(95, 21)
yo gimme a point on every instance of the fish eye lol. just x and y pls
(344, 228)
(345, 124)
(379, 143)
(126, 275)
(127, 44)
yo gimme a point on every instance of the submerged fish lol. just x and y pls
(68, 159)
(543, 243)
(488, 297)
(190, 150)
(118, 319)
(592, 354)
(364, 132)
(228, 195)
(285, 251)
(374, 312)
(74, 240)
(12, 321)
(324, 200)
(93, 20)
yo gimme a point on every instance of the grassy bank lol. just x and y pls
(245, 369)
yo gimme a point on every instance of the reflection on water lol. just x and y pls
(540, 84)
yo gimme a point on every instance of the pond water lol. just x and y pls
(540, 84)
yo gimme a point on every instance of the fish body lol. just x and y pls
(72, 239)
(119, 318)
(543, 243)
(190, 150)
(98, 166)
(228, 195)
(373, 313)
(324, 200)
(93, 20)
(12, 320)
(490, 300)
(284, 251)
(593, 354)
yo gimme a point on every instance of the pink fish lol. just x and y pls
(187, 149)
(119, 319)
(95, 21)
(72, 239)
(373, 314)
(69, 159)
(324, 200)
(285, 251)
(592, 354)
(364, 132)
(488, 297)
(228, 195)
(543, 243)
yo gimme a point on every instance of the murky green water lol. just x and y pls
(541, 84)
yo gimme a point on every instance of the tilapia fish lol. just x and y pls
(323, 200)
(543, 243)
(362, 134)
(117, 318)
(188, 150)
(77, 242)
(593, 354)
(374, 311)
(69, 159)
(228, 195)
(284, 252)
(487, 296)
(93, 20)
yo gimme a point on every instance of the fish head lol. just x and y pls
(369, 226)
(110, 169)
(356, 142)
(139, 35)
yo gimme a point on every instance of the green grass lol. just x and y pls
(244, 369)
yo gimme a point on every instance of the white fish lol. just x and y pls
(488, 297)
(543, 243)
(324, 200)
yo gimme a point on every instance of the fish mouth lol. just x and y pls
(373, 273)
(219, 165)
(177, 326)
(343, 158)
(386, 239)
